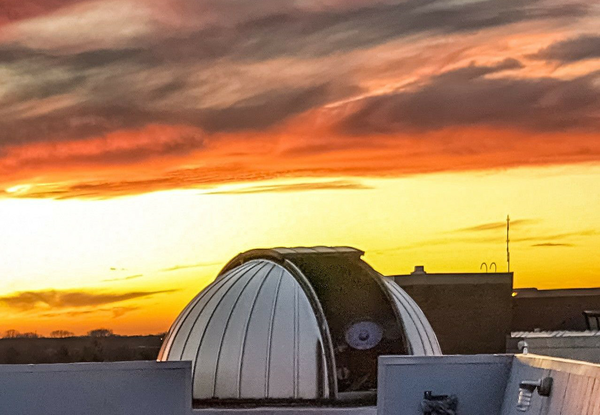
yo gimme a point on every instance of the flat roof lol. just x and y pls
(563, 292)
(553, 334)
(453, 278)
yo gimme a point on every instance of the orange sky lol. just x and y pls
(143, 143)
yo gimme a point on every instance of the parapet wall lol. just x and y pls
(584, 346)
(575, 389)
(487, 384)
(483, 384)
(122, 388)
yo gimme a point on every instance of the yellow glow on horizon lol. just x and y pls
(179, 240)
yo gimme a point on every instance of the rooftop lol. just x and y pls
(480, 384)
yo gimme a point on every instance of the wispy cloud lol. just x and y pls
(114, 312)
(458, 99)
(188, 266)
(130, 277)
(294, 187)
(557, 236)
(491, 226)
(480, 236)
(552, 244)
(571, 50)
(177, 94)
(55, 299)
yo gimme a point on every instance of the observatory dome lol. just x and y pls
(295, 324)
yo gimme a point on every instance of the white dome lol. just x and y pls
(295, 324)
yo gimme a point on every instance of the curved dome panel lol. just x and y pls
(251, 334)
(418, 331)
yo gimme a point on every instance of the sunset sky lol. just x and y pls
(144, 143)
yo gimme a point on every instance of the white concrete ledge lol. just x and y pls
(122, 388)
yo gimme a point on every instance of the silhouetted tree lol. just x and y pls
(11, 334)
(11, 355)
(122, 354)
(63, 355)
(78, 349)
(61, 334)
(28, 335)
(89, 355)
(100, 333)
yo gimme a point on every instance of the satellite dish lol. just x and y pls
(364, 335)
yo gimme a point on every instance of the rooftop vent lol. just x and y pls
(419, 270)
(302, 324)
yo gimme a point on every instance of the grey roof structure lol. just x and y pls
(295, 324)
(554, 334)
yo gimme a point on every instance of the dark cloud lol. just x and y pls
(261, 111)
(557, 236)
(56, 299)
(480, 237)
(296, 32)
(131, 277)
(467, 97)
(108, 101)
(179, 179)
(572, 50)
(491, 226)
(267, 109)
(190, 266)
(295, 187)
(200, 178)
(114, 312)
(552, 244)
(228, 75)
(15, 53)
(14, 10)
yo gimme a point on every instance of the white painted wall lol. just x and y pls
(121, 388)
(484, 385)
(585, 347)
(477, 380)
(488, 384)
(575, 390)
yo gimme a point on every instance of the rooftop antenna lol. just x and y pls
(507, 241)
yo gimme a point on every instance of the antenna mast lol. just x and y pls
(507, 241)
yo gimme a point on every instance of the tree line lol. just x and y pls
(56, 334)
(100, 345)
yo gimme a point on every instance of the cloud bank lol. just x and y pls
(104, 99)
(56, 299)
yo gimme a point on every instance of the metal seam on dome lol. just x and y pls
(296, 341)
(213, 289)
(423, 334)
(197, 354)
(420, 317)
(174, 330)
(242, 349)
(414, 315)
(231, 312)
(181, 319)
(170, 336)
(408, 314)
(270, 334)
